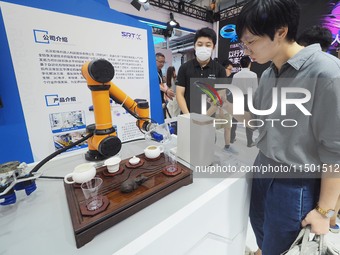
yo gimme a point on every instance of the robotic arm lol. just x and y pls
(102, 137)
(104, 143)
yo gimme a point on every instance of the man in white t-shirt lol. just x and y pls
(245, 79)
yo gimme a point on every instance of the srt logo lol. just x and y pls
(132, 36)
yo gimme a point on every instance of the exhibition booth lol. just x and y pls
(76, 203)
(88, 164)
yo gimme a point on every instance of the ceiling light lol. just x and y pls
(136, 4)
(173, 22)
(139, 3)
(146, 6)
(167, 32)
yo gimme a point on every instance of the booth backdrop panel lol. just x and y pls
(324, 13)
(229, 47)
(13, 133)
(317, 12)
(46, 100)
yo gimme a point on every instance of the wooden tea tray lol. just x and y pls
(122, 205)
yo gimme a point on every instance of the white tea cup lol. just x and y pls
(134, 160)
(153, 151)
(112, 164)
(81, 173)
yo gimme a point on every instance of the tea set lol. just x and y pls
(87, 171)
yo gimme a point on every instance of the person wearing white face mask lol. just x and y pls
(200, 67)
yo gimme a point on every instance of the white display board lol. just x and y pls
(48, 50)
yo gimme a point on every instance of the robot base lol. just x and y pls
(93, 155)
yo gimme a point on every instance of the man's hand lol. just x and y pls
(170, 93)
(319, 224)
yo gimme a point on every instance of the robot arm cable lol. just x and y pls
(132, 111)
(45, 160)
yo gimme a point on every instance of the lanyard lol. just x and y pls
(160, 78)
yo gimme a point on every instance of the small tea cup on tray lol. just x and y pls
(113, 164)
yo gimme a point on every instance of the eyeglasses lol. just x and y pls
(245, 45)
(162, 62)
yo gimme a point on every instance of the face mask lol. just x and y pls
(203, 53)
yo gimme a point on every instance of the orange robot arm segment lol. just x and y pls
(138, 108)
(104, 143)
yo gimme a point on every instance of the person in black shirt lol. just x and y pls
(228, 65)
(200, 67)
(316, 34)
(160, 61)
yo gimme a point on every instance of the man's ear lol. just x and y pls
(282, 32)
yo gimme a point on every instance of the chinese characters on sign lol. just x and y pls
(234, 55)
(127, 67)
(55, 38)
(64, 67)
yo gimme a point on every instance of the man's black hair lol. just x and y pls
(159, 54)
(265, 17)
(316, 34)
(245, 61)
(169, 74)
(206, 32)
(227, 63)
